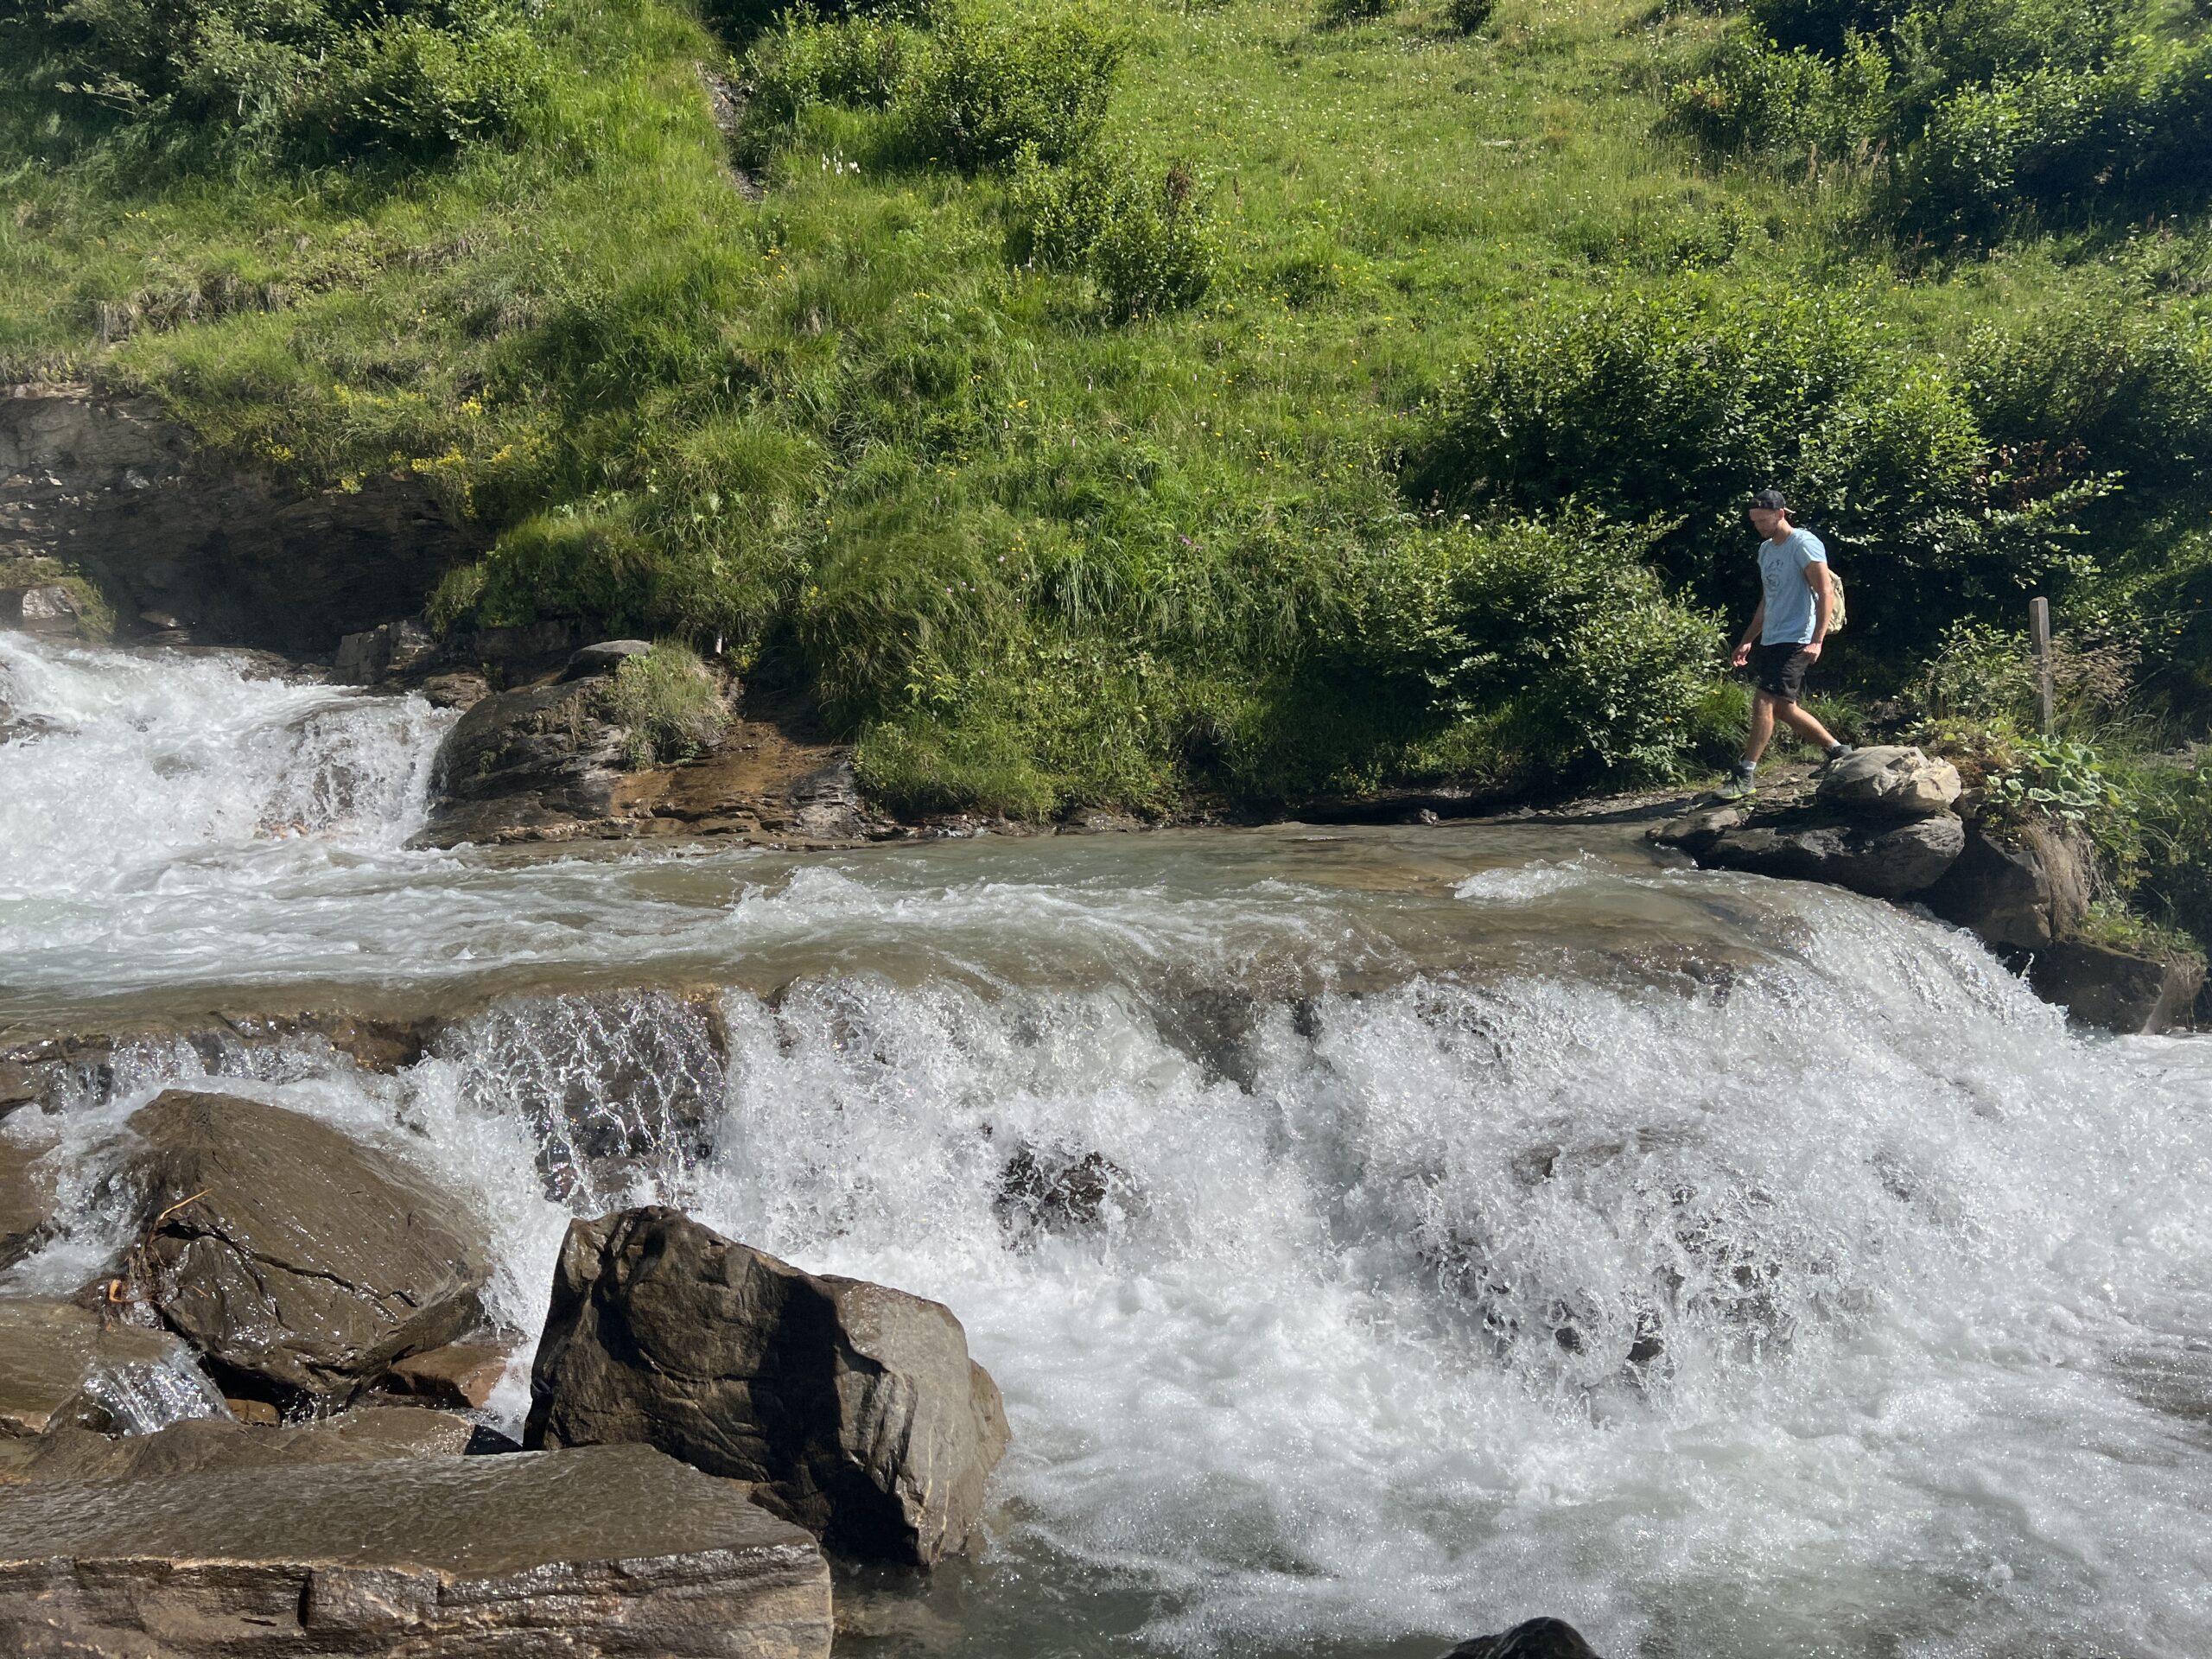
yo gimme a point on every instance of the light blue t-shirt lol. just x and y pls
(1789, 595)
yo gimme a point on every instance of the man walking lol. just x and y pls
(1789, 627)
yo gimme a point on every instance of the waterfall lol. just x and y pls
(1378, 1234)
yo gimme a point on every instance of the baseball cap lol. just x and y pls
(1770, 500)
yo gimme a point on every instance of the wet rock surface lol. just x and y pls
(1883, 860)
(61, 1366)
(1538, 1639)
(461, 1373)
(1047, 1191)
(202, 1446)
(294, 1257)
(607, 1551)
(536, 759)
(854, 1407)
(188, 546)
(2120, 990)
(26, 1195)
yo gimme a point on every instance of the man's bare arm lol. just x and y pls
(1817, 578)
(1750, 634)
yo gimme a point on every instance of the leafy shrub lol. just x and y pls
(300, 80)
(1751, 95)
(987, 87)
(974, 90)
(1469, 16)
(2172, 811)
(1561, 620)
(1337, 13)
(1670, 405)
(1145, 245)
(667, 704)
(2056, 778)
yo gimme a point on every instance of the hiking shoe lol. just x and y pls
(1838, 754)
(1738, 788)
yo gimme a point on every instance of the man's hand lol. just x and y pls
(1813, 649)
(1743, 655)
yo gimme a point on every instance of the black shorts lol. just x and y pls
(1780, 670)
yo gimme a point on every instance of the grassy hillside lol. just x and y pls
(1249, 398)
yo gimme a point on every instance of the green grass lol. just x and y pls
(1026, 554)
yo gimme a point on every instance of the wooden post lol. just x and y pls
(2046, 690)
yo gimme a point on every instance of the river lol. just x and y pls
(1491, 1221)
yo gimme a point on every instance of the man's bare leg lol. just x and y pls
(1762, 732)
(1798, 721)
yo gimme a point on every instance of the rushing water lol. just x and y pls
(1484, 1220)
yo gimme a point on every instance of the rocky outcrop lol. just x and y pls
(1882, 859)
(854, 1407)
(297, 1260)
(2022, 890)
(2120, 990)
(1539, 1638)
(543, 758)
(186, 545)
(1889, 782)
(203, 1445)
(615, 1552)
(64, 1366)
(545, 762)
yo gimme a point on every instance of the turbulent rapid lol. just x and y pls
(1473, 1221)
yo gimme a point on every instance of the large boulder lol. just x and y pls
(1538, 1639)
(201, 1444)
(854, 1407)
(1889, 781)
(1884, 859)
(615, 1552)
(540, 758)
(2117, 989)
(299, 1260)
(65, 1366)
(2022, 890)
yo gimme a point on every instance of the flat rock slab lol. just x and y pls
(202, 1446)
(589, 1553)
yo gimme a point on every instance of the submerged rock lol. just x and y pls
(63, 1366)
(289, 1253)
(854, 1407)
(2117, 989)
(1538, 1639)
(610, 1551)
(1059, 1192)
(1889, 781)
(203, 1445)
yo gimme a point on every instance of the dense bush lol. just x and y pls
(1560, 622)
(1981, 112)
(973, 90)
(1670, 405)
(302, 80)
(1145, 245)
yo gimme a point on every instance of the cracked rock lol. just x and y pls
(300, 1261)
